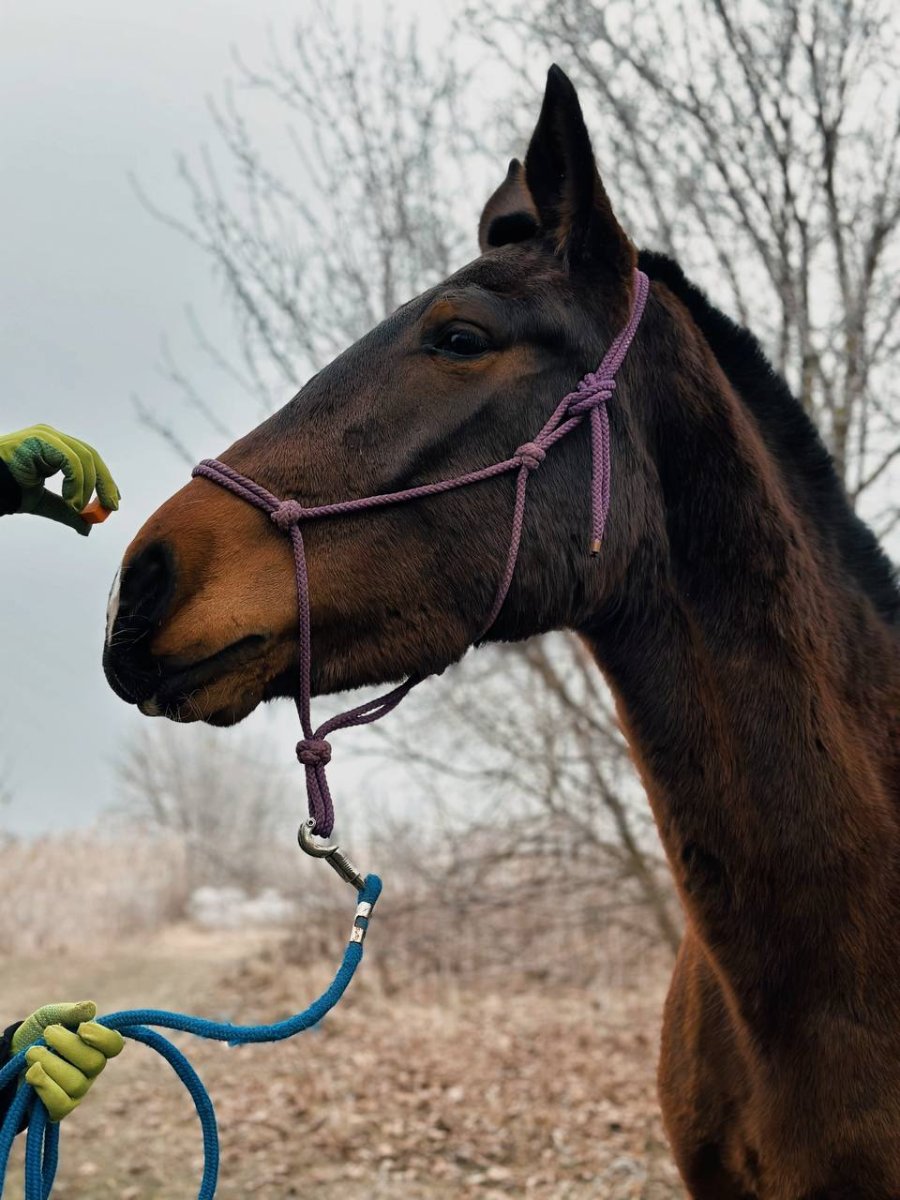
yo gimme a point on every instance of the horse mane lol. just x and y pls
(805, 463)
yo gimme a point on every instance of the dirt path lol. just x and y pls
(419, 1097)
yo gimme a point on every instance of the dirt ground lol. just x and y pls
(427, 1094)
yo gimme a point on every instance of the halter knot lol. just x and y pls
(287, 513)
(314, 752)
(530, 455)
(591, 393)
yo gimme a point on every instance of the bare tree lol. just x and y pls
(759, 142)
(748, 139)
(375, 208)
(219, 796)
(364, 214)
(524, 765)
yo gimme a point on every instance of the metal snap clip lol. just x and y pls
(332, 853)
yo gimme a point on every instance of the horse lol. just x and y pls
(745, 619)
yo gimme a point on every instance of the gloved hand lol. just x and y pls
(34, 454)
(76, 1052)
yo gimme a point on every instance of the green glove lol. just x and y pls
(76, 1052)
(32, 455)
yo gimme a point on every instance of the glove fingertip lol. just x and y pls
(35, 1075)
(108, 1041)
(110, 499)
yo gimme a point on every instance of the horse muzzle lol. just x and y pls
(183, 687)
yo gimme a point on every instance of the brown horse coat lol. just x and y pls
(745, 619)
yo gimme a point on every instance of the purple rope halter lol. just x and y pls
(588, 400)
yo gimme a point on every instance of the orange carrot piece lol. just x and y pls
(94, 512)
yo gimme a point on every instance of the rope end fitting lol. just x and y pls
(361, 922)
(595, 547)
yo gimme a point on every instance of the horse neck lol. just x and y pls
(757, 686)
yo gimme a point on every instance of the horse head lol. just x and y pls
(203, 625)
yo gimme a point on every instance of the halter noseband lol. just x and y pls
(588, 400)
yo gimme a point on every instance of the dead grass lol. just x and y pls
(432, 1093)
(130, 884)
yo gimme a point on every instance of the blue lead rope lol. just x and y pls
(42, 1141)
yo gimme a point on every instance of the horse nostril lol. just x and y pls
(147, 587)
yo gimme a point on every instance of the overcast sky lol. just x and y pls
(90, 93)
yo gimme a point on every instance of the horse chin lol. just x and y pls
(225, 687)
(223, 704)
(220, 689)
(233, 713)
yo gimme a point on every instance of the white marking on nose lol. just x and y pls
(112, 605)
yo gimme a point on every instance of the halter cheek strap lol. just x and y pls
(589, 400)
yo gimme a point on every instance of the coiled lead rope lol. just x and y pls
(42, 1142)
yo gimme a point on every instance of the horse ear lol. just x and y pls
(562, 179)
(510, 214)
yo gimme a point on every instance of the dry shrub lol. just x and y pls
(67, 890)
(467, 916)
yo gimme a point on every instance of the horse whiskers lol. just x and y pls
(124, 637)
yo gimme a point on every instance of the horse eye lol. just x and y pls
(461, 343)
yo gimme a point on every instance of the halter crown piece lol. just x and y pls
(589, 400)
